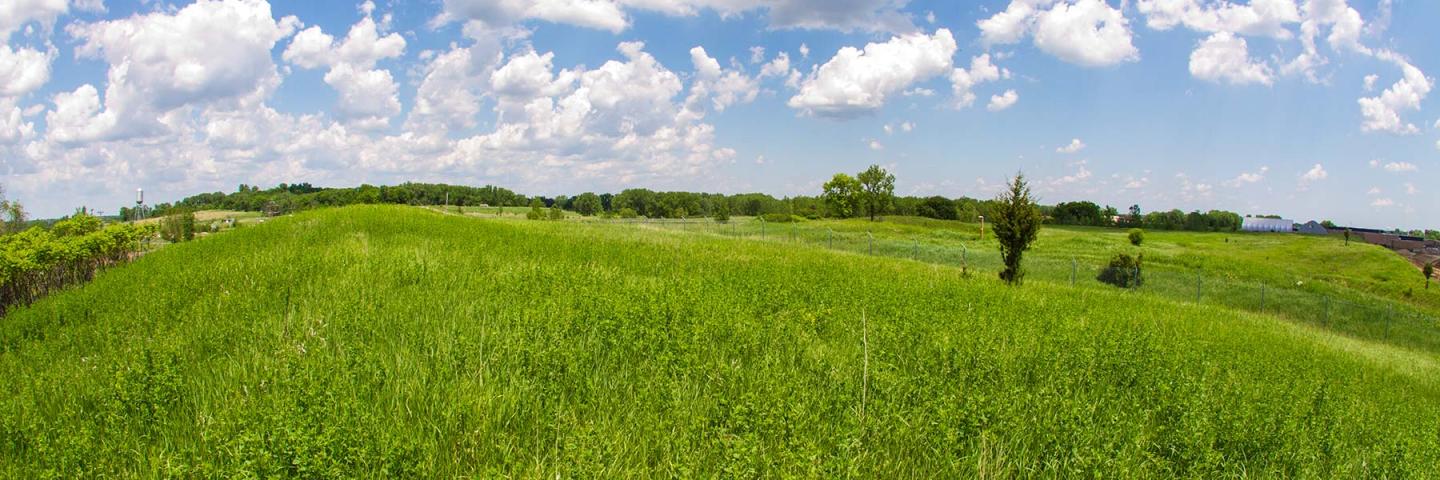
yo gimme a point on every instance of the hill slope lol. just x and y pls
(389, 341)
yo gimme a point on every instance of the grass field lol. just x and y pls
(400, 342)
(1356, 289)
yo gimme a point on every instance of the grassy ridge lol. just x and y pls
(389, 341)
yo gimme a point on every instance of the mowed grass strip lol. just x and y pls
(398, 342)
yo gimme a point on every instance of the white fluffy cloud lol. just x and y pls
(1074, 146)
(1083, 32)
(1382, 113)
(963, 81)
(368, 96)
(206, 53)
(611, 15)
(1246, 178)
(22, 70)
(856, 82)
(14, 14)
(723, 88)
(1225, 57)
(1259, 17)
(1003, 101)
(598, 14)
(1400, 167)
(13, 127)
(449, 96)
(617, 123)
(1314, 174)
(78, 117)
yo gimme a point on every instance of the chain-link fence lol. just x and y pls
(1352, 313)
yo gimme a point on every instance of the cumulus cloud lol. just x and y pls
(1382, 113)
(1259, 17)
(15, 14)
(13, 127)
(22, 70)
(721, 87)
(856, 81)
(449, 95)
(1246, 178)
(368, 96)
(1314, 174)
(1382, 203)
(1225, 57)
(206, 53)
(981, 70)
(1003, 101)
(619, 123)
(1400, 167)
(612, 15)
(1083, 32)
(1074, 146)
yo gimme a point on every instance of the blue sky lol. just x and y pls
(1313, 109)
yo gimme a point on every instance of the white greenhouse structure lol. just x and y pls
(1253, 224)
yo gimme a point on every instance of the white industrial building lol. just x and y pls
(1253, 224)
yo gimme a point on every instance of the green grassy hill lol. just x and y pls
(392, 341)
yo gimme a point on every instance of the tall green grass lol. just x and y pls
(397, 342)
(1357, 289)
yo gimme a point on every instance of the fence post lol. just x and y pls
(1074, 265)
(964, 258)
(872, 242)
(915, 250)
(762, 228)
(1262, 298)
(829, 238)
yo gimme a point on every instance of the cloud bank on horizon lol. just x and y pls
(1311, 108)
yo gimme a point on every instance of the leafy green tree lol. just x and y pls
(877, 191)
(1078, 213)
(537, 209)
(1016, 225)
(1137, 236)
(842, 194)
(556, 213)
(178, 227)
(588, 204)
(938, 207)
(1429, 272)
(12, 214)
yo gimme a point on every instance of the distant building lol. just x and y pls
(1254, 224)
(1312, 228)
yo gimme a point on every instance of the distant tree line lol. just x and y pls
(868, 194)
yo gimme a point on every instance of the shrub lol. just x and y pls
(778, 218)
(722, 213)
(179, 227)
(1124, 271)
(1137, 236)
(556, 213)
(628, 212)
